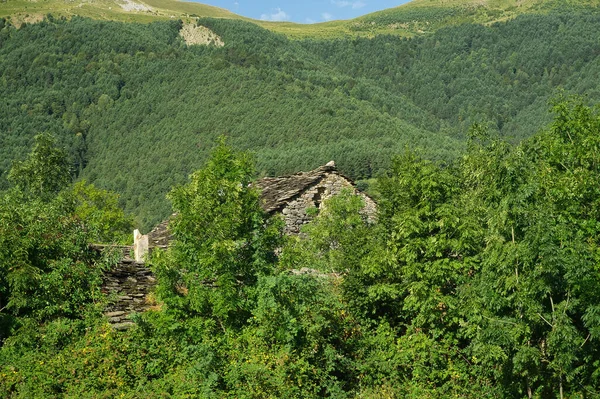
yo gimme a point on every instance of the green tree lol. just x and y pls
(47, 270)
(101, 212)
(45, 172)
(531, 314)
(223, 241)
(335, 241)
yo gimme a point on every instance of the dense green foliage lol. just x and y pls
(47, 269)
(137, 109)
(223, 239)
(477, 279)
(502, 75)
(45, 173)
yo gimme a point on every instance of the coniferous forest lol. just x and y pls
(479, 277)
(138, 110)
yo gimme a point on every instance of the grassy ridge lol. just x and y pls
(30, 11)
(415, 17)
(425, 16)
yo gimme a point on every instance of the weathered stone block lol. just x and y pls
(115, 314)
(140, 246)
(123, 326)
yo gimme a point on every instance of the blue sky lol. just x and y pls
(303, 11)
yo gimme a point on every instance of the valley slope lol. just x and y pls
(139, 110)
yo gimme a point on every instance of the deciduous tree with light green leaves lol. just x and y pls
(45, 172)
(223, 241)
(532, 308)
(47, 269)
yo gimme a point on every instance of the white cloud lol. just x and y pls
(344, 3)
(310, 21)
(278, 15)
(327, 16)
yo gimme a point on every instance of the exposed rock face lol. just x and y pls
(130, 5)
(293, 195)
(200, 35)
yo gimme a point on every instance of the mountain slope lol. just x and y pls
(139, 109)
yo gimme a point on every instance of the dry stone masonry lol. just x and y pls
(293, 195)
(130, 283)
(129, 286)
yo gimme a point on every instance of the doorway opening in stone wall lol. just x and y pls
(318, 197)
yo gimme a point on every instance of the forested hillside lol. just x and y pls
(138, 109)
(502, 75)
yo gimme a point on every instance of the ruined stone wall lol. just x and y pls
(129, 285)
(295, 214)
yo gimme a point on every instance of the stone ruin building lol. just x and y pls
(293, 195)
(131, 282)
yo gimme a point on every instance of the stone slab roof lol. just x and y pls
(278, 191)
(160, 236)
